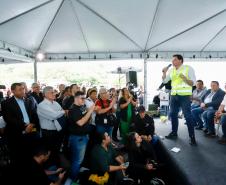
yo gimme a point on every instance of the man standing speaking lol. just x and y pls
(182, 79)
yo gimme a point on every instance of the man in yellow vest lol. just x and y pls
(182, 79)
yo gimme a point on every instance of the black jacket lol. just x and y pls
(14, 118)
(39, 98)
(144, 126)
(216, 100)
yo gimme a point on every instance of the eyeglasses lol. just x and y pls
(82, 97)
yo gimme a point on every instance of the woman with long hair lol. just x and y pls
(142, 159)
(127, 106)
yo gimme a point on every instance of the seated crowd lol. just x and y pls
(45, 127)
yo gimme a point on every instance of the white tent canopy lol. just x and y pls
(113, 28)
(108, 29)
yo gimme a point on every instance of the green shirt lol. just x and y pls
(102, 159)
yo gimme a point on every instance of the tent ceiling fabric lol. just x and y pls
(107, 26)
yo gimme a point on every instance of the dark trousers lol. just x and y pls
(176, 102)
(21, 147)
(208, 117)
(52, 140)
(116, 126)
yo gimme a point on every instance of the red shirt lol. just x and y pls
(104, 103)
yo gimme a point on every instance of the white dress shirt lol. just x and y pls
(89, 102)
(48, 113)
(209, 98)
(2, 122)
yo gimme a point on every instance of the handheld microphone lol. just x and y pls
(167, 67)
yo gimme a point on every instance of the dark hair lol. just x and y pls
(64, 91)
(131, 142)
(111, 89)
(123, 91)
(100, 137)
(200, 81)
(79, 93)
(1, 95)
(40, 150)
(71, 86)
(92, 90)
(14, 85)
(216, 82)
(179, 57)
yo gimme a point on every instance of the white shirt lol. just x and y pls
(48, 113)
(191, 74)
(197, 94)
(2, 122)
(209, 98)
(89, 102)
(224, 102)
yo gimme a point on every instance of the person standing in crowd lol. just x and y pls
(50, 114)
(182, 79)
(61, 88)
(105, 109)
(9, 94)
(36, 95)
(78, 118)
(113, 94)
(65, 93)
(69, 100)
(21, 122)
(127, 106)
(27, 92)
(90, 101)
(84, 89)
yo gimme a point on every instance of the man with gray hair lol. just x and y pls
(36, 95)
(49, 112)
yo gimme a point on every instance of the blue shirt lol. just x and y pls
(23, 110)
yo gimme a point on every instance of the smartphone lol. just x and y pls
(126, 164)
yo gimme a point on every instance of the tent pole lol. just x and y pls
(35, 71)
(145, 83)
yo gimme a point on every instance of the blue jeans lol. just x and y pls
(194, 106)
(223, 124)
(208, 117)
(196, 115)
(78, 148)
(104, 128)
(176, 102)
(155, 139)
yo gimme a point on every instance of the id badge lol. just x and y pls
(105, 121)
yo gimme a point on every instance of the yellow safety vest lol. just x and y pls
(179, 87)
